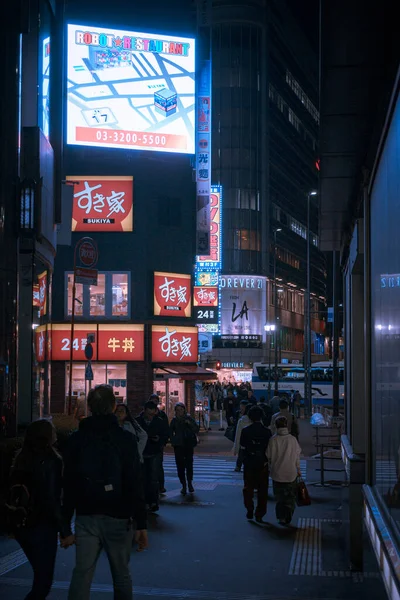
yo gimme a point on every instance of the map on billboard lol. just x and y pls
(130, 90)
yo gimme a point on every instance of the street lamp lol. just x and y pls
(270, 330)
(276, 314)
(307, 316)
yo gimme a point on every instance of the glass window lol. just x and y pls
(98, 297)
(109, 299)
(113, 374)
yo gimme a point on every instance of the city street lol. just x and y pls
(202, 547)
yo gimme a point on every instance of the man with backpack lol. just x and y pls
(102, 484)
(254, 442)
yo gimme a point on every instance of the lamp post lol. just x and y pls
(276, 316)
(307, 316)
(270, 330)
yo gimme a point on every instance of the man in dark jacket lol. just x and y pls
(254, 441)
(102, 484)
(267, 410)
(230, 406)
(158, 432)
(160, 413)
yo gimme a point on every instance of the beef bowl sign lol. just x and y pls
(243, 306)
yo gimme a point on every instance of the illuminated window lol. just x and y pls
(295, 86)
(245, 239)
(109, 299)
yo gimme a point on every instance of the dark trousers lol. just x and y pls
(161, 476)
(184, 463)
(285, 494)
(40, 546)
(256, 478)
(151, 468)
(239, 460)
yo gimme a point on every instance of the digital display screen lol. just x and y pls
(130, 90)
(46, 86)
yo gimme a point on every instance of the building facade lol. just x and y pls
(265, 157)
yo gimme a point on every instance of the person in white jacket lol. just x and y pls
(237, 451)
(283, 454)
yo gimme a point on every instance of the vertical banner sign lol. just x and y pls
(203, 159)
(42, 293)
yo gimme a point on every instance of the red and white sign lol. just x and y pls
(102, 203)
(174, 344)
(87, 253)
(36, 295)
(205, 296)
(40, 343)
(214, 258)
(61, 341)
(86, 276)
(172, 295)
(121, 342)
(42, 293)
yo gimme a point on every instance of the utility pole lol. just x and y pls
(307, 317)
(276, 330)
(336, 332)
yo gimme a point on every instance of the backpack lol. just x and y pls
(20, 506)
(99, 470)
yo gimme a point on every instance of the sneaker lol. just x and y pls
(183, 491)
(249, 515)
(259, 520)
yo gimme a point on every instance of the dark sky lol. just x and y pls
(306, 13)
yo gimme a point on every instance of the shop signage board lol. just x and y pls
(205, 314)
(212, 260)
(36, 296)
(40, 343)
(102, 203)
(86, 276)
(113, 342)
(205, 342)
(42, 293)
(203, 159)
(207, 278)
(87, 254)
(205, 296)
(172, 294)
(243, 306)
(142, 89)
(174, 344)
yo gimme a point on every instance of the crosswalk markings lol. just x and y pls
(214, 470)
(386, 472)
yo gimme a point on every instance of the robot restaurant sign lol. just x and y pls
(251, 283)
(125, 42)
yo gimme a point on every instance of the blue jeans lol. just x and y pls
(93, 534)
(40, 546)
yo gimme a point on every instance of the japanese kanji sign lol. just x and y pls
(40, 343)
(205, 296)
(121, 342)
(61, 341)
(42, 293)
(172, 295)
(213, 260)
(203, 159)
(174, 344)
(102, 203)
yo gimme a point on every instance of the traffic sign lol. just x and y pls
(89, 372)
(89, 351)
(86, 276)
(87, 252)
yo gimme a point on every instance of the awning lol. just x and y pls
(187, 372)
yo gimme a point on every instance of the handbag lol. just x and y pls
(302, 495)
(230, 433)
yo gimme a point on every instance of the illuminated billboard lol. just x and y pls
(172, 295)
(130, 90)
(243, 306)
(102, 203)
(45, 85)
(174, 344)
(213, 260)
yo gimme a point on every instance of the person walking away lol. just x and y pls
(275, 404)
(242, 423)
(33, 511)
(297, 401)
(283, 454)
(162, 415)
(183, 434)
(80, 408)
(267, 412)
(103, 486)
(157, 431)
(292, 423)
(254, 442)
(126, 421)
(229, 407)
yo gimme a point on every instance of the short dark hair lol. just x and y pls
(101, 400)
(283, 403)
(150, 404)
(244, 402)
(154, 398)
(281, 422)
(255, 414)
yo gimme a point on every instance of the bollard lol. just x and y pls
(221, 427)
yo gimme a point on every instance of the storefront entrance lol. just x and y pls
(113, 374)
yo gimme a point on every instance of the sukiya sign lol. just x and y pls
(243, 305)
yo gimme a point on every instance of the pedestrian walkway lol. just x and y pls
(209, 469)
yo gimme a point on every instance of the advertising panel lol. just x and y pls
(207, 278)
(213, 259)
(102, 203)
(205, 296)
(130, 90)
(42, 293)
(203, 159)
(36, 296)
(174, 344)
(40, 343)
(205, 342)
(61, 341)
(172, 294)
(121, 342)
(205, 315)
(243, 306)
(45, 85)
